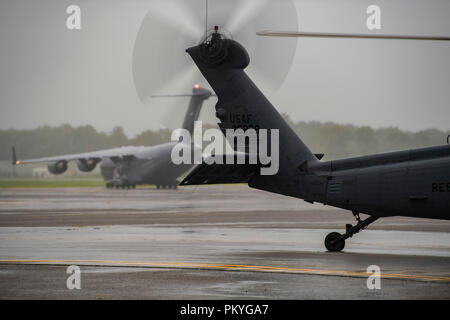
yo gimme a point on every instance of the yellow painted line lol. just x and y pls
(225, 267)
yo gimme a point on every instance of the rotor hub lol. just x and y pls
(215, 48)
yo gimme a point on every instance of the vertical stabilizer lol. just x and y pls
(198, 97)
(14, 157)
(242, 105)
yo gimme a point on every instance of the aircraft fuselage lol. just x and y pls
(413, 183)
(151, 165)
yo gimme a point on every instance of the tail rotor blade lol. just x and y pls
(244, 11)
(159, 47)
(171, 26)
(170, 112)
(158, 52)
(271, 59)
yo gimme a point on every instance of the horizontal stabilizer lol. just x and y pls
(221, 174)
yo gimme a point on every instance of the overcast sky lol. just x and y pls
(50, 75)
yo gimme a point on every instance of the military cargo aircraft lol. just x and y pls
(412, 183)
(129, 166)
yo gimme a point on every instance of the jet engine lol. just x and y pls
(57, 167)
(107, 169)
(86, 165)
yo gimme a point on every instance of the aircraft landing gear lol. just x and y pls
(168, 186)
(332, 243)
(128, 186)
(120, 185)
(335, 241)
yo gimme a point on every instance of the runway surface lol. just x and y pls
(214, 242)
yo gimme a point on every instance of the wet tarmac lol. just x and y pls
(213, 242)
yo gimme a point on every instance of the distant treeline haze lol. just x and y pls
(334, 140)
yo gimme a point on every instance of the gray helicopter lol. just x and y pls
(411, 183)
(129, 166)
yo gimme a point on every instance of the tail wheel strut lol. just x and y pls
(335, 241)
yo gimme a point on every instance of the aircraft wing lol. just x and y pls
(220, 174)
(117, 154)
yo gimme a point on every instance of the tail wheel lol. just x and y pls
(331, 244)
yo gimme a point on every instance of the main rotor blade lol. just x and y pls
(173, 95)
(348, 35)
(179, 95)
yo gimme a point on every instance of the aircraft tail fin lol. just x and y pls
(14, 157)
(242, 105)
(198, 97)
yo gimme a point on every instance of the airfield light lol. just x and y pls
(196, 86)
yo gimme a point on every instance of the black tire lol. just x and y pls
(336, 246)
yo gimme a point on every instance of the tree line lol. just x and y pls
(338, 141)
(334, 140)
